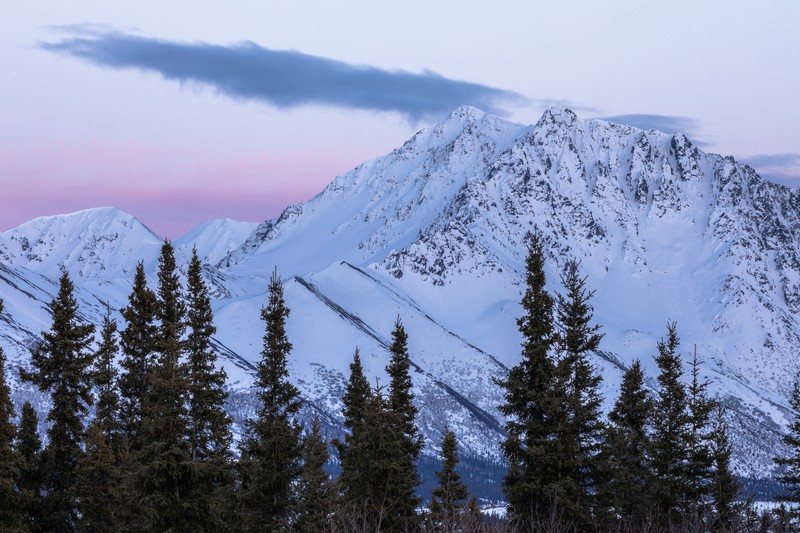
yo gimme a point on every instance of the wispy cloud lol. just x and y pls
(665, 123)
(280, 78)
(780, 168)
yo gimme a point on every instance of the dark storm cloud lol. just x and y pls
(280, 78)
(780, 168)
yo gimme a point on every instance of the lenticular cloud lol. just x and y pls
(283, 78)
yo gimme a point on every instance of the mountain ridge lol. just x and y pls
(435, 232)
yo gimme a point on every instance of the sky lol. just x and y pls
(184, 111)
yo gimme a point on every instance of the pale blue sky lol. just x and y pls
(74, 134)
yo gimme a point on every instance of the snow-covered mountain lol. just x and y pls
(435, 233)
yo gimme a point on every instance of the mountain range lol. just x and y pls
(435, 233)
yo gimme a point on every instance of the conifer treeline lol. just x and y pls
(157, 454)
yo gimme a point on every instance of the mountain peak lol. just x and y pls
(558, 114)
(466, 112)
(88, 243)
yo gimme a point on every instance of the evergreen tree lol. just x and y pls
(627, 473)
(401, 404)
(724, 486)
(700, 462)
(790, 478)
(62, 366)
(29, 476)
(98, 475)
(354, 403)
(316, 493)
(531, 401)
(11, 517)
(163, 476)
(105, 379)
(580, 428)
(209, 424)
(98, 483)
(138, 345)
(671, 433)
(449, 498)
(372, 500)
(270, 449)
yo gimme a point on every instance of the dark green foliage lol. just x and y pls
(700, 463)
(209, 425)
(531, 403)
(28, 445)
(270, 449)
(449, 498)
(401, 404)
(98, 484)
(791, 464)
(105, 379)
(62, 366)
(724, 487)
(315, 490)
(373, 500)
(356, 395)
(627, 475)
(12, 516)
(579, 428)
(354, 403)
(671, 432)
(163, 470)
(98, 475)
(138, 345)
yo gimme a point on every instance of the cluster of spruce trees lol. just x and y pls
(157, 454)
(660, 463)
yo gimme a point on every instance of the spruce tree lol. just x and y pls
(62, 366)
(271, 449)
(28, 445)
(724, 486)
(98, 474)
(209, 424)
(11, 517)
(105, 379)
(531, 402)
(626, 463)
(98, 483)
(372, 500)
(580, 428)
(671, 434)
(315, 490)
(163, 475)
(138, 346)
(450, 498)
(700, 462)
(354, 403)
(790, 476)
(401, 398)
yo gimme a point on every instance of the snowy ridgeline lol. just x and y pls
(435, 232)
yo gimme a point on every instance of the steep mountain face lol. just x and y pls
(214, 239)
(435, 233)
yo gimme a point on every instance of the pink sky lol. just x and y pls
(76, 134)
(170, 191)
